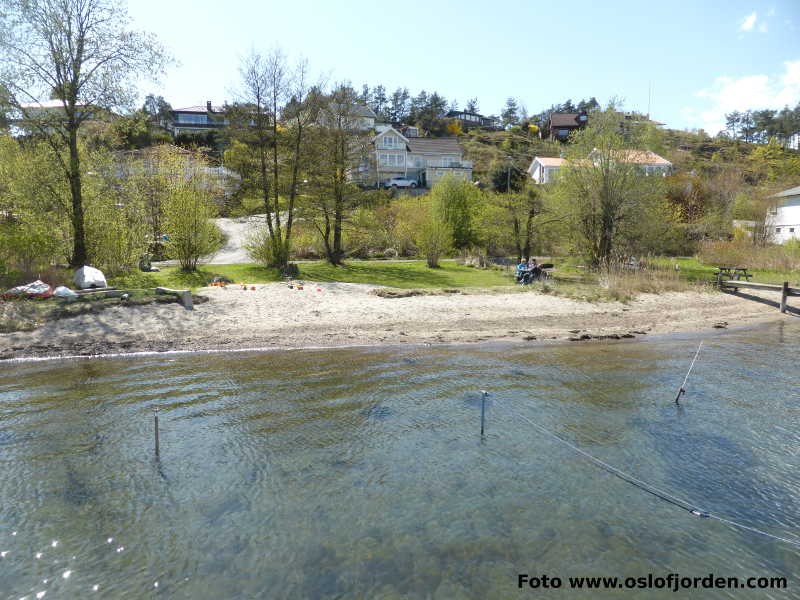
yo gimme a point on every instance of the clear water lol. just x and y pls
(360, 473)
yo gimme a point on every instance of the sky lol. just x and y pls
(698, 59)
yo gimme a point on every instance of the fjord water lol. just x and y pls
(360, 473)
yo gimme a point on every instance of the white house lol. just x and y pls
(424, 159)
(784, 216)
(545, 170)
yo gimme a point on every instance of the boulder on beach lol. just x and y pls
(89, 277)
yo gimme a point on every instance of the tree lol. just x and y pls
(521, 215)
(732, 122)
(340, 152)
(34, 232)
(433, 239)
(472, 106)
(268, 130)
(398, 108)
(605, 194)
(454, 203)
(158, 109)
(505, 177)
(84, 53)
(510, 113)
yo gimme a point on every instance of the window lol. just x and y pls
(563, 132)
(791, 229)
(391, 160)
(193, 119)
(388, 141)
(777, 230)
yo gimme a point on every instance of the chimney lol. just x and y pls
(208, 106)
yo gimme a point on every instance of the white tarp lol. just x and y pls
(64, 292)
(89, 277)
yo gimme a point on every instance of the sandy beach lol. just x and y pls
(335, 314)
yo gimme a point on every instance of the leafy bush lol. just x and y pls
(434, 240)
(192, 235)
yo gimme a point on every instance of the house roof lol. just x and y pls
(795, 191)
(645, 157)
(385, 130)
(564, 119)
(443, 145)
(453, 113)
(549, 162)
(199, 109)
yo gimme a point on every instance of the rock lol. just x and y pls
(89, 277)
(529, 338)
(721, 325)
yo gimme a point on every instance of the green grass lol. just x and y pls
(415, 274)
(694, 270)
(404, 275)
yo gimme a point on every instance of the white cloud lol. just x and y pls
(751, 92)
(749, 22)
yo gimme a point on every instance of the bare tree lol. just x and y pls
(274, 108)
(85, 56)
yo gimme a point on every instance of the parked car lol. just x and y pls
(400, 182)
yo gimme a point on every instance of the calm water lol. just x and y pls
(360, 473)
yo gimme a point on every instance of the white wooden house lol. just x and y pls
(545, 170)
(423, 159)
(784, 217)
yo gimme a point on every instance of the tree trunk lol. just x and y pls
(79, 256)
(338, 218)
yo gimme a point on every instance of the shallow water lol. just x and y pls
(360, 473)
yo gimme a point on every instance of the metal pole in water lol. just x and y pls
(484, 393)
(682, 389)
(155, 419)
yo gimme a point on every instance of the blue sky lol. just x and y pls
(701, 59)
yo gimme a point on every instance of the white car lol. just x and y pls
(400, 182)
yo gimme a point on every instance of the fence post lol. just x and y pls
(784, 294)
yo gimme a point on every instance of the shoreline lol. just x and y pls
(348, 315)
(658, 337)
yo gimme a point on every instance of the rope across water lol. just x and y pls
(651, 489)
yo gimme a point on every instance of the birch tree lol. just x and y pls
(269, 124)
(85, 55)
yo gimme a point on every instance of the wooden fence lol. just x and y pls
(784, 289)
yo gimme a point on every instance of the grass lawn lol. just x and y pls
(405, 275)
(414, 274)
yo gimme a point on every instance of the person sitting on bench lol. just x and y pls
(534, 270)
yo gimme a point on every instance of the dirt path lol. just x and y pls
(342, 314)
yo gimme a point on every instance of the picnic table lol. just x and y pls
(736, 273)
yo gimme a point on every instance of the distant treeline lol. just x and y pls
(761, 125)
